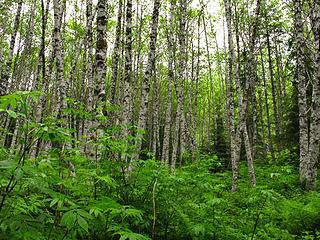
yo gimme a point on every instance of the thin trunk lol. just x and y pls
(266, 103)
(116, 54)
(255, 132)
(101, 51)
(249, 85)
(126, 118)
(155, 117)
(137, 83)
(302, 98)
(182, 65)
(5, 78)
(147, 76)
(41, 83)
(166, 134)
(280, 87)
(315, 104)
(89, 70)
(222, 104)
(24, 76)
(248, 146)
(180, 134)
(212, 91)
(273, 91)
(261, 118)
(227, 76)
(196, 93)
(59, 56)
(230, 99)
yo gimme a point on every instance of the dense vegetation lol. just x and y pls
(170, 119)
(40, 200)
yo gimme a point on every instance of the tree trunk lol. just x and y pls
(249, 85)
(115, 56)
(212, 91)
(267, 107)
(89, 41)
(126, 117)
(302, 98)
(180, 118)
(315, 104)
(167, 125)
(273, 91)
(59, 56)
(4, 81)
(147, 77)
(155, 118)
(230, 99)
(248, 146)
(101, 51)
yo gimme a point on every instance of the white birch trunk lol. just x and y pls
(302, 98)
(146, 81)
(5, 77)
(101, 51)
(315, 104)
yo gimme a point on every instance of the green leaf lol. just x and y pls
(12, 113)
(108, 180)
(7, 164)
(54, 201)
(83, 223)
(68, 219)
(126, 234)
(199, 229)
(274, 175)
(84, 214)
(134, 213)
(96, 211)
(19, 174)
(214, 201)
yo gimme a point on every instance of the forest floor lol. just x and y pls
(152, 202)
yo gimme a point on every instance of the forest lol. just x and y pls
(159, 119)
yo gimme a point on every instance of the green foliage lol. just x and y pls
(195, 202)
(285, 157)
(113, 199)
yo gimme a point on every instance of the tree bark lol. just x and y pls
(249, 85)
(126, 116)
(230, 99)
(266, 103)
(315, 102)
(302, 97)
(180, 118)
(101, 51)
(212, 90)
(115, 56)
(89, 41)
(59, 56)
(273, 91)
(167, 125)
(147, 77)
(4, 81)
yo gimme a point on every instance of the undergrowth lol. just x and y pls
(47, 197)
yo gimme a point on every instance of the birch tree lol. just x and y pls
(4, 81)
(126, 114)
(59, 56)
(147, 76)
(314, 142)
(101, 50)
(168, 118)
(241, 127)
(303, 119)
(116, 55)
